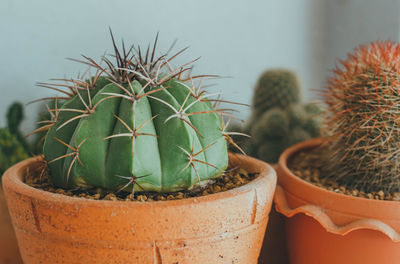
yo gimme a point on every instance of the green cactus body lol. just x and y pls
(44, 120)
(275, 88)
(15, 115)
(13, 146)
(297, 114)
(279, 118)
(159, 138)
(270, 150)
(296, 135)
(208, 124)
(313, 126)
(313, 109)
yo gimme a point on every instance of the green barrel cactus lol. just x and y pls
(137, 123)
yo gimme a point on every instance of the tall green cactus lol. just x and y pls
(137, 124)
(279, 118)
(12, 148)
(275, 88)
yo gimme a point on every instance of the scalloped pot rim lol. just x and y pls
(337, 213)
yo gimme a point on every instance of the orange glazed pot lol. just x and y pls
(328, 227)
(227, 227)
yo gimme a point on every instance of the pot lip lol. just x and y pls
(285, 174)
(12, 179)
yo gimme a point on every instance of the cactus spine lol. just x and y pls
(46, 119)
(363, 97)
(136, 124)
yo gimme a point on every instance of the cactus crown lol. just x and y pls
(275, 88)
(363, 97)
(137, 124)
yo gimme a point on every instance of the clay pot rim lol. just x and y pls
(288, 174)
(13, 178)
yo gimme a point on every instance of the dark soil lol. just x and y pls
(307, 165)
(232, 178)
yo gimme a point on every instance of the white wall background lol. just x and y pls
(235, 38)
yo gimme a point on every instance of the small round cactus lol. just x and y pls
(138, 124)
(275, 88)
(15, 115)
(296, 135)
(363, 97)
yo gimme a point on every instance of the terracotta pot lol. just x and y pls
(226, 227)
(9, 253)
(328, 227)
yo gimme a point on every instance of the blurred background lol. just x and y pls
(237, 39)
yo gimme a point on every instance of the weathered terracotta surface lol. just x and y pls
(227, 227)
(328, 227)
(9, 253)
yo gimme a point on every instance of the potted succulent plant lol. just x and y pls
(341, 193)
(279, 119)
(138, 130)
